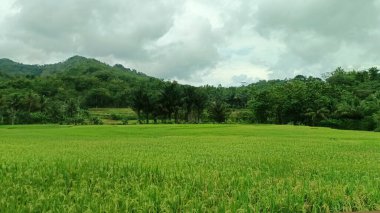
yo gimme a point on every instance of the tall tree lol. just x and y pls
(14, 106)
(189, 95)
(138, 101)
(171, 100)
(218, 111)
(99, 97)
(200, 103)
(3, 108)
(32, 101)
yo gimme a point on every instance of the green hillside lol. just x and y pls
(74, 66)
(12, 68)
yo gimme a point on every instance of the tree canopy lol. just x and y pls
(63, 92)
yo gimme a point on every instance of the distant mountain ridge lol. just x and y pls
(76, 65)
(10, 67)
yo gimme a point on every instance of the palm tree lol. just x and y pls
(14, 104)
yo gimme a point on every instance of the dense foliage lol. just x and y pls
(62, 93)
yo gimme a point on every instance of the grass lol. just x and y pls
(199, 168)
(107, 115)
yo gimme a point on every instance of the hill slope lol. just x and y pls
(10, 67)
(75, 66)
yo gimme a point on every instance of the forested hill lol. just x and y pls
(63, 93)
(76, 65)
(10, 67)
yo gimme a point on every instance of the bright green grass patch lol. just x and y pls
(199, 168)
(106, 112)
(114, 116)
(102, 111)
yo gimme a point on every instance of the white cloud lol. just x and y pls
(197, 41)
(229, 73)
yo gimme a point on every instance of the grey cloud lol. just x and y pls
(94, 28)
(125, 30)
(335, 18)
(185, 56)
(315, 32)
(213, 41)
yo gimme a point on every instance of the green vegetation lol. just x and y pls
(188, 168)
(64, 92)
(114, 115)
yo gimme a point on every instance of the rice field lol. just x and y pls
(188, 168)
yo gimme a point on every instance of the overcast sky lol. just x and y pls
(197, 41)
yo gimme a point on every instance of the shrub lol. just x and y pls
(116, 117)
(96, 121)
(124, 121)
(241, 116)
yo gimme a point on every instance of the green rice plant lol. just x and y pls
(188, 168)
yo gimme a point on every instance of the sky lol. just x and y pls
(197, 41)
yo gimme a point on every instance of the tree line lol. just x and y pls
(345, 100)
(342, 99)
